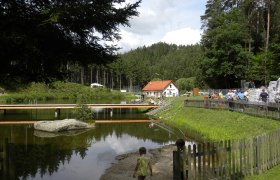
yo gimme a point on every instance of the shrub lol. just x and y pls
(83, 112)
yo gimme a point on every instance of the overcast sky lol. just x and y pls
(171, 21)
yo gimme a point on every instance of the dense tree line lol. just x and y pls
(159, 61)
(132, 70)
(240, 41)
(41, 39)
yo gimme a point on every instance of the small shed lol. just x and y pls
(162, 88)
(95, 85)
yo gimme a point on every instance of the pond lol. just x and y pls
(77, 155)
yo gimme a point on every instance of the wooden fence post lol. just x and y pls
(194, 161)
(190, 168)
(229, 159)
(176, 165)
(199, 154)
(204, 155)
(208, 160)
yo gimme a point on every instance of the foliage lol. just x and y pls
(60, 90)
(185, 84)
(40, 39)
(2, 90)
(159, 61)
(274, 61)
(238, 42)
(83, 112)
(224, 61)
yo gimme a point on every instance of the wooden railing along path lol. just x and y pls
(261, 109)
(58, 107)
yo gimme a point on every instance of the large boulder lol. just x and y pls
(61, 125)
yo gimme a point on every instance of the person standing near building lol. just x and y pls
(143, 165)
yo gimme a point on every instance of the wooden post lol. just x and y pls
(199, 154)
(240, 158)
(233, 159)
(176, 165)
(204, 169)
(190, 168)
(229, 160)
(57, 113)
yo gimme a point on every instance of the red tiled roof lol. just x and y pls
(156, 85)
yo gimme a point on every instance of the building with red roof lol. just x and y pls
(160, 88)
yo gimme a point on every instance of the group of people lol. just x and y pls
(234, 95)
(230, 95)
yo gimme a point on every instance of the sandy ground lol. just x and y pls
(161, 159)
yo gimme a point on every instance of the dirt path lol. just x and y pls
(162, 165)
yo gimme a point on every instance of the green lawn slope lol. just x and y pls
(219, 125)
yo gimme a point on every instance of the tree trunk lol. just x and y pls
(112, 80)
(267, 40)
(82, 75)
(120, 81)
(97, 77)
(268, 26)
(90, 74)
(130, 84)
(104, 77)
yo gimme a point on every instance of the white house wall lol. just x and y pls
(171, 91)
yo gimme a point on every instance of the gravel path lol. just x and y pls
(162, 165)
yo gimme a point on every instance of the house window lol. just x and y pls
(170, 85)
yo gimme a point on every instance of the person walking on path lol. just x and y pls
(143, 165)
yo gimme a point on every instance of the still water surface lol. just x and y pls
(76, 155)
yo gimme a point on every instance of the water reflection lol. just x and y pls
(81, 155)
(46, 114)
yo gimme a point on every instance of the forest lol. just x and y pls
(240, 41)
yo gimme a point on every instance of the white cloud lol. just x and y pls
(185, 36)
(171, 21)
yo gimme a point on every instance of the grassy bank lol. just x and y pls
(60, 90)
(216, 124)
(220, 125)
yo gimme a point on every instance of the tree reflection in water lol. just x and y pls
(41, 154)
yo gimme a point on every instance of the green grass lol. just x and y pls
(220, 125)
(272, 174)
(216, 124)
